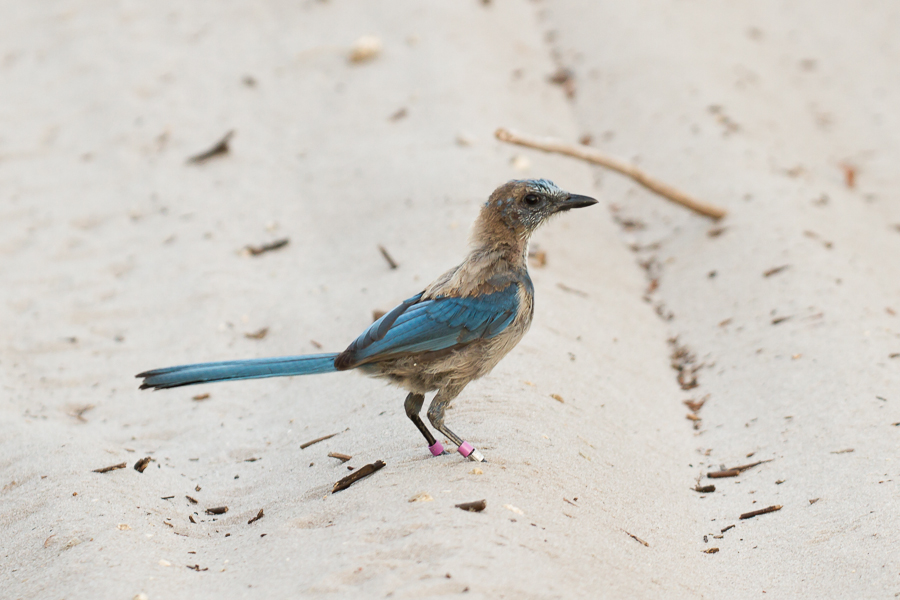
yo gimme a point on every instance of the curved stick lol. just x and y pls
(594, 157)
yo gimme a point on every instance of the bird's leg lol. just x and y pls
(413, 405)
(436, 415)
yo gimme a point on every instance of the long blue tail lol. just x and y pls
(257, 368)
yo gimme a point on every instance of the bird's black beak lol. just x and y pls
(575, 201)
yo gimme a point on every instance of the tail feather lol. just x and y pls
(282, 366)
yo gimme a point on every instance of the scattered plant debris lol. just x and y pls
(364, 49)
(317, 440)
(258, 516)
(761, 511)
(257, 250)
(476, 506)
(220, 148)
(636, 538)
(735, 471)
(352, 478)
(112, 468)
(775, 270)
(390, 261)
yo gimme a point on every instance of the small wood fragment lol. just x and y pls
(317, 440)
(258, 516)
(780, 320)
(775, 270)
(704, 489)
(813, 500)
(341, 457)
(695, 405)
(364, 49)
(390, 261)
(257, 250)
(735, 471)
(221, 147)
(844, 451)
(727, 528)
(761, 511)
(257, 335)
(849, 174)
(192, 500)
(637, 539)
(712, 550)
(558, 398)
(592, 156)
(200, 397)
(476, 506)
(112, 468)
(140, 465)
(352, 478)
(217, 510)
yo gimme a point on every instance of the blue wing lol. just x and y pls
(439, 323)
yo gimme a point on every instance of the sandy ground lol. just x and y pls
(116, 256)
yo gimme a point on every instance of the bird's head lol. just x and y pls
(520, 206)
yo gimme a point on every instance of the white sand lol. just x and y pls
(117, 257)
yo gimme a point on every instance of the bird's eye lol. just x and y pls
(532, 199)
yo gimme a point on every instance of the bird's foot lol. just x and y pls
(468, 451)
(437, 449)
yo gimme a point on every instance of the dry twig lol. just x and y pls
(258, 516)
(761, 511)
(316, 441)
(390, 261)
(637, 539)
(112, 468)
(221, 147)
(257, 250)
(592, 156)
(735, 471)
(775, 270)
(352, 478)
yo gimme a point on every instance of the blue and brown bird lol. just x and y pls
(454, 331)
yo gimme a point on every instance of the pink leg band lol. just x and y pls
(465, 449)
(436, 449)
